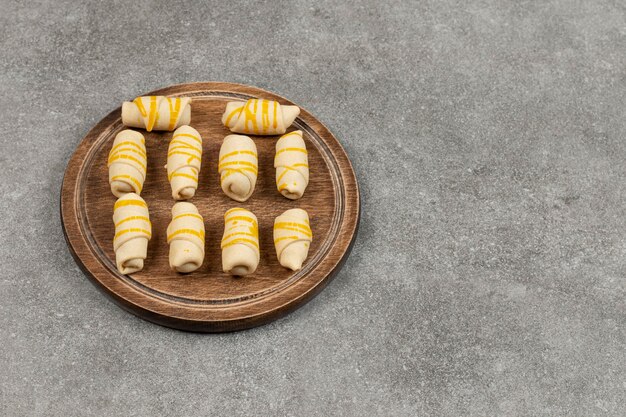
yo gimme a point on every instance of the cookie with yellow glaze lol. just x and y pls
(238, 167)
(292, 165)
(292, 238)
(127, 163)
(184, 158)
(157, 112)
(185, 235)
(240, 243)
(133, 230)
(259, 117)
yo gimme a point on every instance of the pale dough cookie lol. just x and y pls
(238, 167)
(184, 157)
(133, 230)
(127, 163)
(240, 243)
(157, 112)
(292, 165)
(292, 238)
(185, 235)
(259, 117)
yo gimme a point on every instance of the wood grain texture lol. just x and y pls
(208, 300)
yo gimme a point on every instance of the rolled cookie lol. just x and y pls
(185, 235)
(127, 163)
(292, 165)
(238, 167)
(133, 230)
(157, 112)
(292, 238)
(184, 158)
(240, 243)
(259, 117)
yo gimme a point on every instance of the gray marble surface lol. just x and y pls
(489, 275)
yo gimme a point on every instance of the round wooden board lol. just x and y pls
(209, 300)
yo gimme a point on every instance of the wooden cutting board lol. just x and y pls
(209, 300)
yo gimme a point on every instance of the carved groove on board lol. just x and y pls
(311, 263)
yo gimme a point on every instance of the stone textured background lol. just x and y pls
(489, 275)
